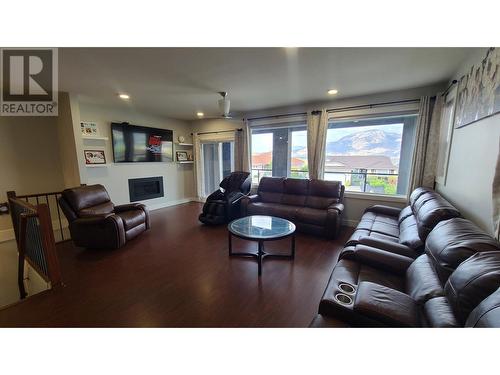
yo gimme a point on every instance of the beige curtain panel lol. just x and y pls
(242, 149)
(426, 143)
(317, 126)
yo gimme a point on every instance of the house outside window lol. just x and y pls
(371, 155)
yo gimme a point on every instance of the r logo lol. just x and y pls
(29, 76)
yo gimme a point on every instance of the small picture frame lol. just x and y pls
(89, 129)
(94, 157)
(181, 155)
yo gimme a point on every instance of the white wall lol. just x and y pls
(178, 179)
(473, 155)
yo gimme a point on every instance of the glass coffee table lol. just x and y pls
(261, 228)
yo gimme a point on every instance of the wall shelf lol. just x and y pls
(97, 165)
(95, 138)
(184, 144)
(186, 162)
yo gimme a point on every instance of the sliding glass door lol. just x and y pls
(218, 162)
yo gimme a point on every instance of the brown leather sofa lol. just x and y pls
(314, 206)
(403, 231)
(95, 222)
(454, 283)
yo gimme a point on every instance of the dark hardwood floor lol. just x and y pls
(179, 274)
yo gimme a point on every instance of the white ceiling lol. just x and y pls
(178, 82)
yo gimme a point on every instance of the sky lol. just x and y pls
(264, 142)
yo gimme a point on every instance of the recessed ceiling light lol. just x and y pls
(332, 92)
(200, 114)
(123, 96)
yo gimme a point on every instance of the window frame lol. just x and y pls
(366, 115)
(291, 126)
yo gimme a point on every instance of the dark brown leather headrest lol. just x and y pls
(322, 188)
(453, 241)
(473, 281)
(86, 196)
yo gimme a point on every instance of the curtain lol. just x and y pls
(432, 149)
(242, 149)
(496, 199)
(422, 131)
(198, 167)
(317, 126)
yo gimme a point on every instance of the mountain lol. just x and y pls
(364, 142)
(367, 142)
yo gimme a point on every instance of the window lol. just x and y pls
(218, 162)
(279, 151)
(371, 155)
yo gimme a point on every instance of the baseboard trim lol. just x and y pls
(157, 206)
(7, 235)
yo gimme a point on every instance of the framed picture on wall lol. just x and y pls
(88, 129)
(182, 156)
(446, 135)
(94, 157)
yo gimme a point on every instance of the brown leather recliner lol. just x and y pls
(314, 206)
(95, 222)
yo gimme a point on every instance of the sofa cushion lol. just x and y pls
(271, 189)
(323, 193)
(132, 218)
(430, 209)
(439, 313)
(453, 241)
(422, 281)
(99, 209)
(311, 216)
(295, 191)
(487, 313)
(408, 233)
(386, 305)
(273, 209)
(473, 281)
(405, 212)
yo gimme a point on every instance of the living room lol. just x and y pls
(253, 185)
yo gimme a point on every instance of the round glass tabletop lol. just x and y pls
(261, 227)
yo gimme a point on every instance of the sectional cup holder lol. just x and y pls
(346, 295)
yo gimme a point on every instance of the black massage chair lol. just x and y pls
(223, 205)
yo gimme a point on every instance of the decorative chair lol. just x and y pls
(223, 205)
(95, 222)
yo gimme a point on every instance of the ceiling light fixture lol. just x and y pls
(332, 92)
(123, 96)
(200, 114)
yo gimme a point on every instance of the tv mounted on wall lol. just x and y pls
(132, 143)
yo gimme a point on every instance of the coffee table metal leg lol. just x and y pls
(259, 256)
(293, 246)
(230, 245)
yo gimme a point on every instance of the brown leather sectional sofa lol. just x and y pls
(95, 222)
(448, 275)
(314, 206)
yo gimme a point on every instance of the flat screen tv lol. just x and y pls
(132, 143)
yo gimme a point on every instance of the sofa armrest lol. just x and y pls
(100, 231)
(377, 258)
(384, 210)
(246, 200)
(392, 247)
(135, 206)
(337, 206)
(388, 306)
(129, 207)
